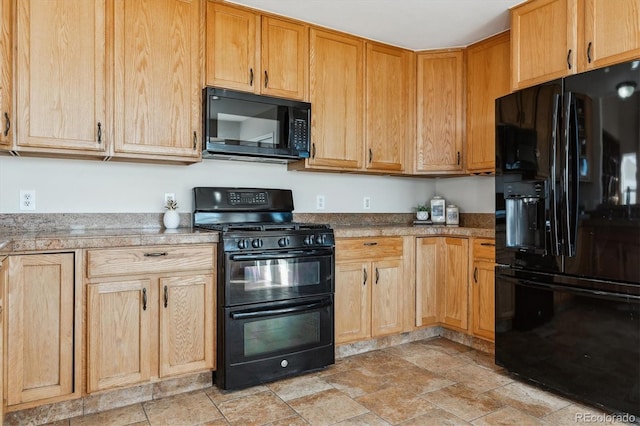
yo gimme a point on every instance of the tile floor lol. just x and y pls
(430, 382)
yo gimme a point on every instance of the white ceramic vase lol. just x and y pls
(422, 215)
(171, 219)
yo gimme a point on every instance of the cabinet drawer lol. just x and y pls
(368, 248)
(484, 249)
(149, 260)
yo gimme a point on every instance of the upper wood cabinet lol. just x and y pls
(43, 336)
(440, 112)
(261, 54)
(555, 38)
(6, 75)
(611, 32)
(158, 79)
(337, 99)
(60, 80)
(390, 106)
(488, 77)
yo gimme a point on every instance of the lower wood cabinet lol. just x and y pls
(155, 321)
(482, 290)
(442, 282)
(42, 330)
(3, 280)
(369, 288)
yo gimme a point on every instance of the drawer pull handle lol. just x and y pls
(365, 277)
(144, 299)
(488, 244)
(371, 244)
(156, 254)
(475, 275)
(166, 296)
(377, 275)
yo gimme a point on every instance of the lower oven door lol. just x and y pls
(264, 342)
(277, 275)
(581, 342)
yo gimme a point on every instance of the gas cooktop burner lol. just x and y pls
(263, 226)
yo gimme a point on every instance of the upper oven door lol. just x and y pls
(277, 275)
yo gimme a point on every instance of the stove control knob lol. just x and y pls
(283, 242)
(257, 243)
(243, 244)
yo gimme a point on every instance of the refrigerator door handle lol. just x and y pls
(552, 214)
(570, 177)
(573, 181)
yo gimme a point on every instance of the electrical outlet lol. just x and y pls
(366, 203)
(27, 199)
(320, 202)
(169, 196)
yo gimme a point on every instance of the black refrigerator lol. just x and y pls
(568, 236)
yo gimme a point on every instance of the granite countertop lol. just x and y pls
(45, 232)
(42, 240)
(389, 230)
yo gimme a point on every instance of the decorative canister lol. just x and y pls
(437, 210)
(453, 216)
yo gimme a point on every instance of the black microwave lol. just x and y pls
(246, 126)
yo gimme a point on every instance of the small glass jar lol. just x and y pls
(453, 215)
(437, 210)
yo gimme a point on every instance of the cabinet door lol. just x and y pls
(157, 86)
(232, 48)
(453, 291)
(440, 111)
(337, 96)
(285, 53)
(186, 324)
(118, 330)
(40, 327)
(4, 269)
(60, 75)
(544, 41)
(386, 297)
(488, 77)
(6, 74)
(611, 32)
(483, 299)
(352, 301)
(388, 107)
(426, 281)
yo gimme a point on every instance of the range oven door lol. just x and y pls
(578, 337)
(277, 275)
(263, 342)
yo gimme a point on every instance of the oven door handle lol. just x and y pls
(273, 312)
(281, 255)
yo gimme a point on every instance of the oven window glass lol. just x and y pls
(264, 274)
(262, 280)
(281, 333)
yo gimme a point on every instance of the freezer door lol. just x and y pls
(600, 184)
(528, 185)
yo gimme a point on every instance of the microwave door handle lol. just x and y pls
(553, 178)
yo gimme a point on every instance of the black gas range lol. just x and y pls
(275, 285)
